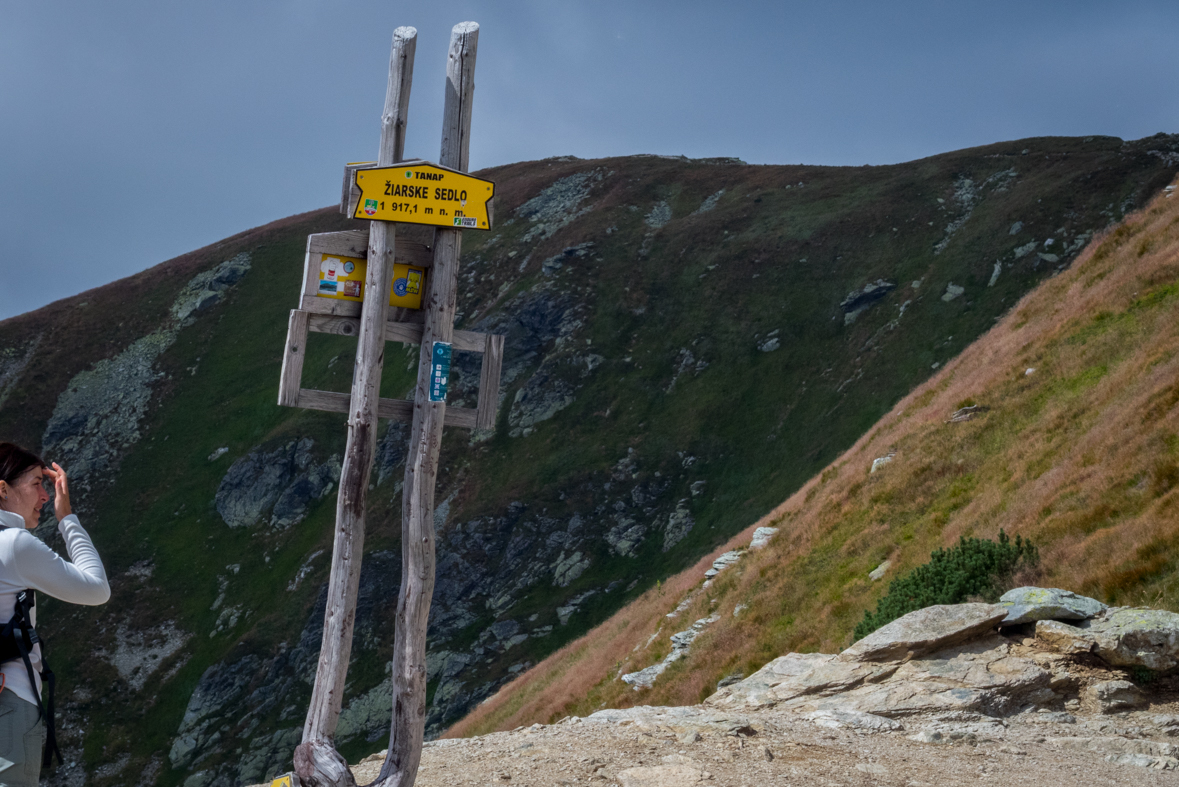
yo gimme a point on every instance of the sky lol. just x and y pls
(132, 131)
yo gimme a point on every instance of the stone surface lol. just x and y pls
(139, 653)
(762, 537)
(219, 686)
(679, 523)
(878, 573)
(661, 776)
(1028, 604)
(723, 562)
(283, 482)
(682, 720)
(1064, 638)
(795, 675)
(925, 631)
(98, 416)
(983, 676)
(680, 643)
(659, 216)
(1115, 696)
(558, 203)
(1136, 637)
(857, 301)
(854, 719)
(709, 203)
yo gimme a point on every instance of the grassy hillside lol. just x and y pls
(687, 343)
(1075, 445)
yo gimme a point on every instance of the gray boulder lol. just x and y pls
(286, 481)
(1136, 637)
(1028, 604)
(926, 631)
(797, 675)
(1064, 638)
(1115, 696)
(984, 676)
(854, 719)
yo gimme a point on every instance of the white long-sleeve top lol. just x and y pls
(26, 562)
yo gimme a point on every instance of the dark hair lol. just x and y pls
(16, 461)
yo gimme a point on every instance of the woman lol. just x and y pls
(27, 563)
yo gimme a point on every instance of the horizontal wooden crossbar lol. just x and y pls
(393, 409)
(406, 333)
(354, 243)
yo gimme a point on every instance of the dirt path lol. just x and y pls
(679, 747)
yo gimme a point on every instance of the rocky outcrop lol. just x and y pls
(1063, 637)
(282, 482)
(950, 660)
(219, 686)
(1029, 604)
(857, 301)
(559, 203)
(1136, 637)
(1115, 696)
(925, 631)
(680, 643)
(97, 417)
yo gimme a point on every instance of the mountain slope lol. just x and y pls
(1070, 438)
(687, 343)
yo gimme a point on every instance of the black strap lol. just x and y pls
(27, 637)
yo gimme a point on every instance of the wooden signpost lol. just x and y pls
(362, 283)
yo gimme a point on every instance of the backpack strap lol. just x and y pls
(20, 630)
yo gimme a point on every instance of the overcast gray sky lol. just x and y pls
(132, 132)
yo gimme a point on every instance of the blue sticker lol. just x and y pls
(439, 371)
(399, 287)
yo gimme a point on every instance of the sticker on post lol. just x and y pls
(439, 371)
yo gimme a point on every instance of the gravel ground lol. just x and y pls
(650, 748)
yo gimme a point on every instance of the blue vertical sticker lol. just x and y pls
(439, 371)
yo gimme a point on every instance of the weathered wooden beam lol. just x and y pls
(317, 762)
(390, 409)
(350, 194)
(354, 243)
(421, 468)
(406, 333)
(292, 359)
(493, 358)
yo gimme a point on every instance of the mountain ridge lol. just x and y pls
(687, 343)
(1059, 424)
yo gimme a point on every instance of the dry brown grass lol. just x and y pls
(1081, 456)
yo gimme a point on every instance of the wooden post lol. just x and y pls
(421, 468)
(317, 762)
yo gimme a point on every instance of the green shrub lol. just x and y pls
(975, 568)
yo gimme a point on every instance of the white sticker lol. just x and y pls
(330, 267)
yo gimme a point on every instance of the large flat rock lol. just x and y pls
(679, 719)
(983, 676)
(925, 631)
(1029, 604)
(1136, 637)
(798, 675)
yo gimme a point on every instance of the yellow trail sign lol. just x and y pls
(418, 192)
